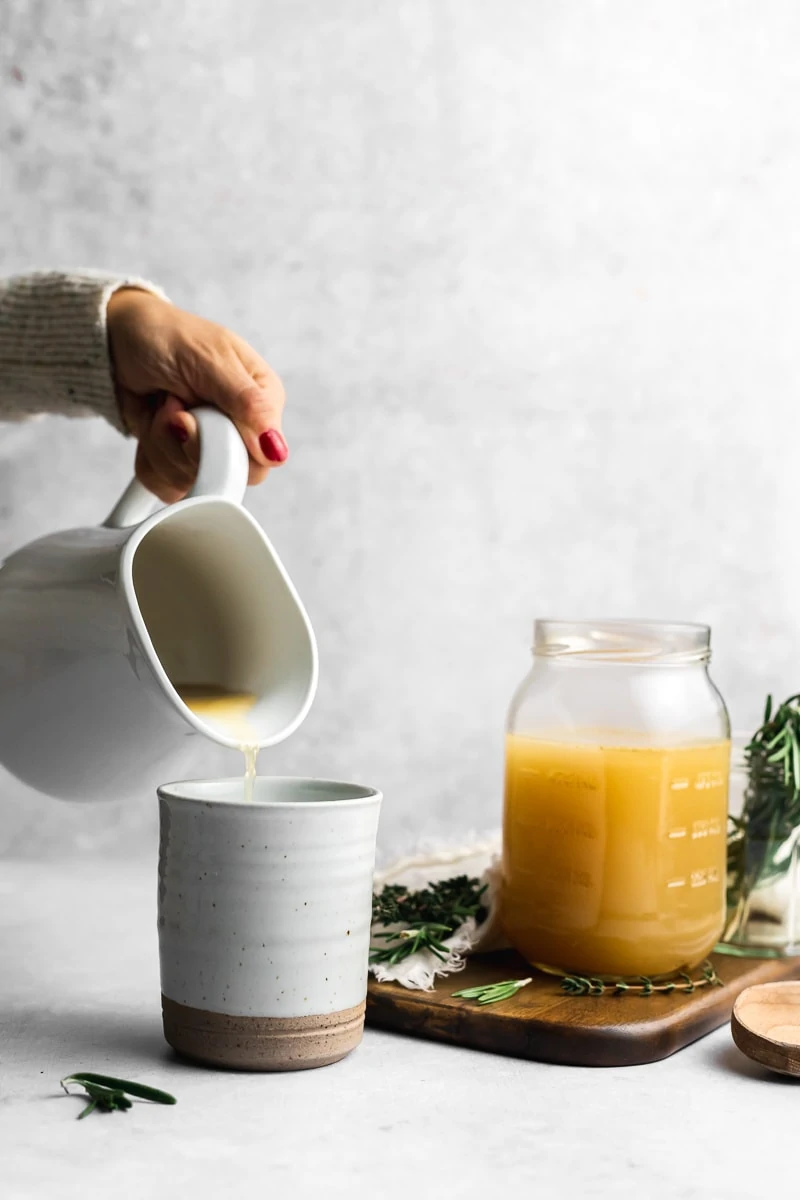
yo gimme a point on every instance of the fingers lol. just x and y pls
(176, 430)
(154, 481)
(167, 462)
(180, 433)
(187, 361)
(169, 452)
(257, 474)
(247, 390)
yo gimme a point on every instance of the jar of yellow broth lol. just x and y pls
(617, 763)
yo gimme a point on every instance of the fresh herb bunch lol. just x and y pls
(427, 916)
(770, 815)
(579, 985)
(107, 1094)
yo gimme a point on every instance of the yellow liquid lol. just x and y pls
(230, 711)
(614, 857)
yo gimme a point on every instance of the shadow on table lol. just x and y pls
(86, 1041)
(730, 1058)
(111, 1043)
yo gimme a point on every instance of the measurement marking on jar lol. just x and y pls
(675, 883)
(679, 785)
(709, 779)
(677, 833)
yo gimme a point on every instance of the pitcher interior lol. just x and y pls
(222, 618)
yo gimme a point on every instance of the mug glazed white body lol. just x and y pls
(264, 912)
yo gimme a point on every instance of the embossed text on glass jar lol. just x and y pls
(617, 764)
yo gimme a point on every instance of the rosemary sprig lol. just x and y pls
(757, 842)
(404, 942)
(493, 993)
(107, 1094)
(427, 916)
(584, 985)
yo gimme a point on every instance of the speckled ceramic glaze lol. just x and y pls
(264, 914)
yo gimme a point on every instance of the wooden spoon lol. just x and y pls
(766, 1025)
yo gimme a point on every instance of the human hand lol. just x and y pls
(167, 362)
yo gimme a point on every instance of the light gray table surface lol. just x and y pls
(399, 1118)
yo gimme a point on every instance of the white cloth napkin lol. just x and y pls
(478, 858)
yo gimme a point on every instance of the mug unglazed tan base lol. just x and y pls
(262, 1043)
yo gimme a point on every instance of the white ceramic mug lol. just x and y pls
(264, 913)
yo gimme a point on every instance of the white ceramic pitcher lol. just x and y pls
(96, 625)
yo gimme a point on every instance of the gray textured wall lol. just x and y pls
(531, 273)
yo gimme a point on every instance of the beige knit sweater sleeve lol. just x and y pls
(54, 354)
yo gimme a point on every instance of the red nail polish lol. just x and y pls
(273, 446)
(179, 433)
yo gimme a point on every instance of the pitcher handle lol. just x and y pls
(224, 467)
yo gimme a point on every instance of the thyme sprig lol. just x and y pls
(107, 1094)
(584, 985)
(427, 916)
(770, 817)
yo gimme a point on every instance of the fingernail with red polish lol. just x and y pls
(273, 446)
(179, 433)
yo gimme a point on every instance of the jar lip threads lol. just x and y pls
(620, 640)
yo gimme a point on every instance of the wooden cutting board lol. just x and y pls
(541, 1022)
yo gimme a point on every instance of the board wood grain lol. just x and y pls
(541, 1022)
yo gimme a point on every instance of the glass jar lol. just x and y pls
(614, 832)
(763, 898)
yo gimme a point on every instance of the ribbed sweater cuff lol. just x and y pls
(54, 353)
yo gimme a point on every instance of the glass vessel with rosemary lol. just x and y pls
(763, 892)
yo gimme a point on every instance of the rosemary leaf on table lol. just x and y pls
(493, 993)
(108, 1094)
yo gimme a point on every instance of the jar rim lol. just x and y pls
(618, 639)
